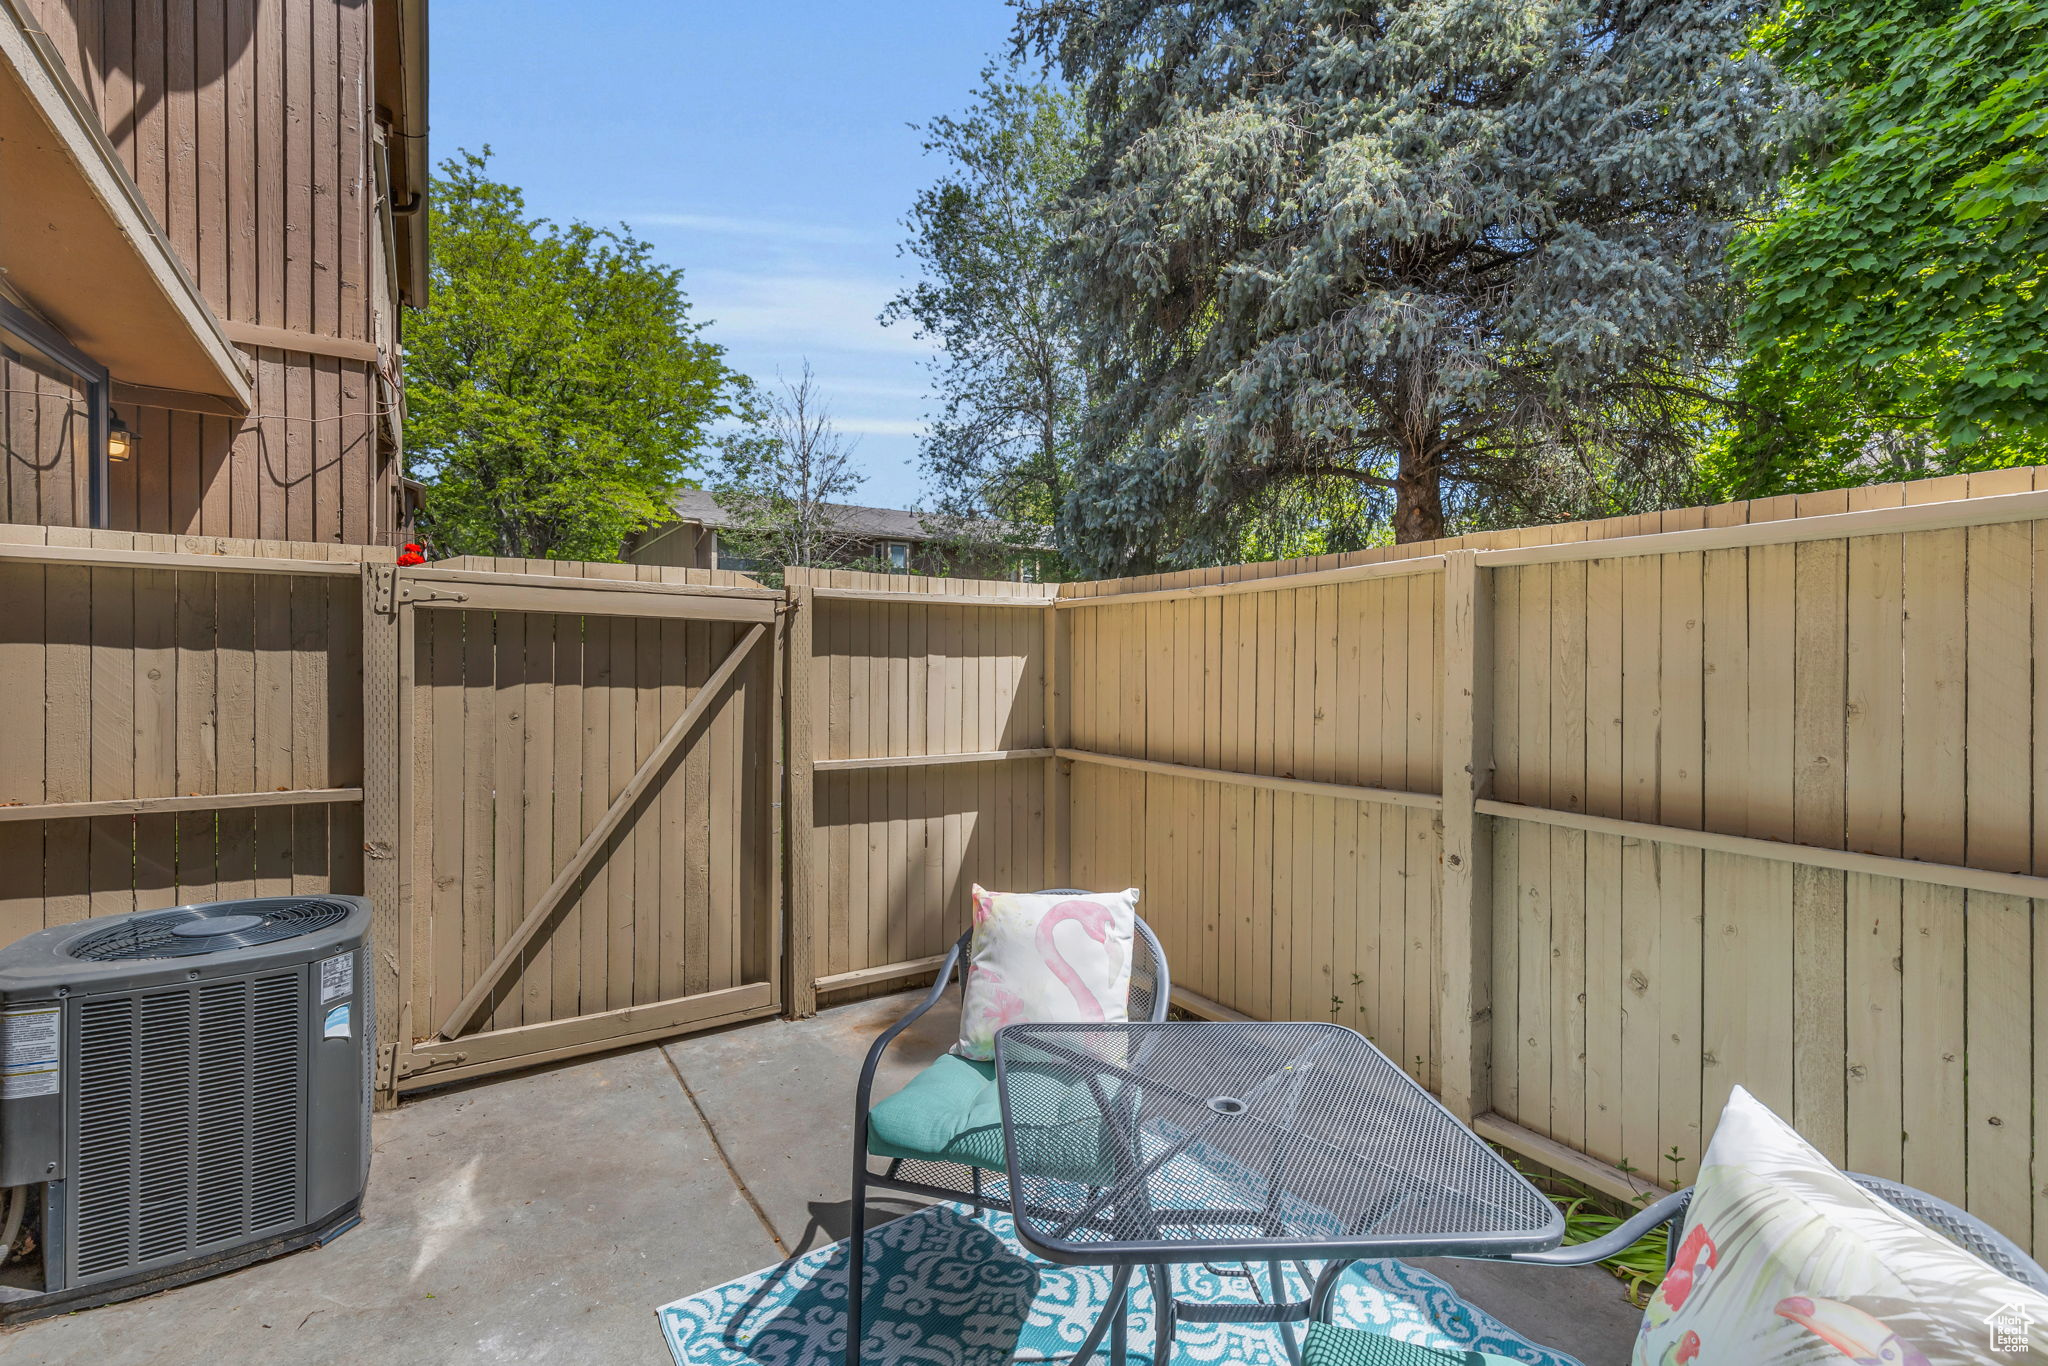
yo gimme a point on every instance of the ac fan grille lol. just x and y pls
(158, 936)
(190, 1121)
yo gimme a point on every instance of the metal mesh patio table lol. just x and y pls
(1152, 1144)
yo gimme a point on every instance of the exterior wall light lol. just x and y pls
(120, 441)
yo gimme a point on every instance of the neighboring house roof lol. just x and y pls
(881, 524)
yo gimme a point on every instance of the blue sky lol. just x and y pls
(764, 148)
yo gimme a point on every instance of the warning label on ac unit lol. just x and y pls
(337, 977)
(28, 1052)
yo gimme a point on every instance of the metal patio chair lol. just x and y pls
(1329, 1345)
(967, 1164)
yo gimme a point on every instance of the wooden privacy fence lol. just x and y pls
(582, 807)
(920, 762)
(1583, 824)
(1586, 824)
(556, 782)
(183, 721)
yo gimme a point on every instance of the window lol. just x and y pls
(29, 344)
(724, 559)
(899, 555)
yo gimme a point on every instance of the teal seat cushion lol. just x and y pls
(948, 1113)
(1331, 1346)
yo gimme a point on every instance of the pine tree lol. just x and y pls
(1421, 252)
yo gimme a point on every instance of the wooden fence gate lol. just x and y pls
(585, 799)
(1584, 823)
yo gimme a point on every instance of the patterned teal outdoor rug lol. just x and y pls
(948, 1288)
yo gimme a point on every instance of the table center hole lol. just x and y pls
(1226, 1105)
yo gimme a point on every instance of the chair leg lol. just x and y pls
(856, 1261)
(1281, 1295)
(1164, 1319)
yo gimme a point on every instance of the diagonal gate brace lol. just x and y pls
(537, 915)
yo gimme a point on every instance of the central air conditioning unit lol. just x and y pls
(182, 1092)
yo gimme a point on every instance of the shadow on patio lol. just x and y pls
(546, 1216)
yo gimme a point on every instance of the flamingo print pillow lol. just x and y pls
(1042, 958)
(1786, 1262)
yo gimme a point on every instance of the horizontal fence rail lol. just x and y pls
(1428, 801)
(1583, 824)
(1741, 795)
(215, 801)
(920, 762)
(184, 722)
(1803, 855)
(981, 756)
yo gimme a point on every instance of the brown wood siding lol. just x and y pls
(246, 123)
(42, 427)
(684, 545)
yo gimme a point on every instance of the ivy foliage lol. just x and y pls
(557, 387)
(1398, 258)
(1898, 304)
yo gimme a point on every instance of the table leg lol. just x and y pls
(1112, 1313)
(1120, 1329)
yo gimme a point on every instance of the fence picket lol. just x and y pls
(1850, 674)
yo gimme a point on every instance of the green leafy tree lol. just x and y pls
(1898, 313)
(1397, 256)
(557, 386)
(1001, 450)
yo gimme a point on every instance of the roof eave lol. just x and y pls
(99, 268)
(401, 93)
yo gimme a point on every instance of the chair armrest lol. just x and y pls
(1671, 1207)
(1162, 984)
(875, 1050)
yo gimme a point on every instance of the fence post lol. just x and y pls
(1465, 1000)
(799, 956)
(1058, 856)
(386, 766)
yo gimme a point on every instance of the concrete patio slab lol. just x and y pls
(542, 1218)
(780, 1096)
(535, 1219)
(1576, 1309)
